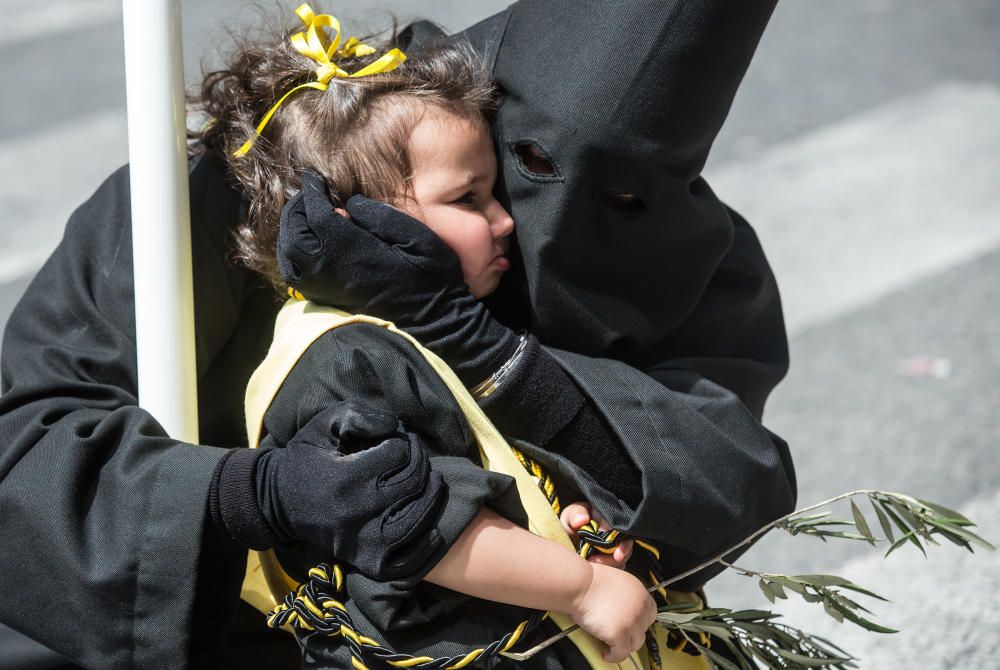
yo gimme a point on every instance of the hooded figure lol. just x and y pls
(627, 252)
(658, 297)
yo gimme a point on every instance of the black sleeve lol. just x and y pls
(369, 363)
(102, 512)
(691, 418)
(538, 403)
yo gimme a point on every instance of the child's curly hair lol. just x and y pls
(356, 133)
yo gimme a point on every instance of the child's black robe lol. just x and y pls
(367, 362)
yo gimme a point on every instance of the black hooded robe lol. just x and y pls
(103, 514)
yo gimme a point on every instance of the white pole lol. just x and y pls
(161, 226)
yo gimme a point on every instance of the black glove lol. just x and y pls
(383, 262)
(351, 482)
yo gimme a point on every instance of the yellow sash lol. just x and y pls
(299, 324)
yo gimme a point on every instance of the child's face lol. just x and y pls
(454, 168)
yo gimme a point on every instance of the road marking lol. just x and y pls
(44, 177)
(867, 205)
(24, 21)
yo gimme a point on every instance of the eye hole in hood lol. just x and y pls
(620, 201)
(534, 162)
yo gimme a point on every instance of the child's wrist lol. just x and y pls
(583, 577)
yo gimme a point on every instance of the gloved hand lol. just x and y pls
(381, 261)
(351, 482)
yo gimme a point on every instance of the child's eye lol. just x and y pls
(465, 199)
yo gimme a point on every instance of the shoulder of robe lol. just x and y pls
(99, 241)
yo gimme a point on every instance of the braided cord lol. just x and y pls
(592, 538)
(316, 605)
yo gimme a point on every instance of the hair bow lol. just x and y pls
(314, 44)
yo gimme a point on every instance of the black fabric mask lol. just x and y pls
(600, 152)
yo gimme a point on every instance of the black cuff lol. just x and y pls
(536, 399)
(539, 403)
(232, 501)
(590, 443)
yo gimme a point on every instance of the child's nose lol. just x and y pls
(502, 223)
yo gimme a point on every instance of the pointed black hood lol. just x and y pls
(620, 236)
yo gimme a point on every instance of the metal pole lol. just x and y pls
(161, 225)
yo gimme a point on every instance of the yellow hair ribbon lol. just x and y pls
(314, 44)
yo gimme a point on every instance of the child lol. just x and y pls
(415, 136)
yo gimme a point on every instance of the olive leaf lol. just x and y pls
(755, 638)
(883, 520)
(862, 524)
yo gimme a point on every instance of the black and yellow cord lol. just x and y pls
(315, 605)
(592, 538)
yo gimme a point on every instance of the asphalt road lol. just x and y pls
(864, 146)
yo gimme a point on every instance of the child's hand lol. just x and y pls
(615, 609)
(575, 516)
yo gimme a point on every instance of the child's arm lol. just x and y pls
(497, 560)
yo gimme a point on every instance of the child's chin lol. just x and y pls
(484, 287)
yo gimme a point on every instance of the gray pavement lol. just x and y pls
(820, 62)
(855, 422)
(863, 146)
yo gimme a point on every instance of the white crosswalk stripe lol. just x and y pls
(24, 21)
(865, 206)
(43, 178)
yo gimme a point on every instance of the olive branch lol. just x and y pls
(756, 638)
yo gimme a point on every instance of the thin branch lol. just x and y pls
(912, 516)
(757, 533)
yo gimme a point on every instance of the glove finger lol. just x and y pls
(297, 242)
(398, 229)
(409, 558)
(410, 475)
(380, 461)
(318, 248)
(352, 426)
(409, 519)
